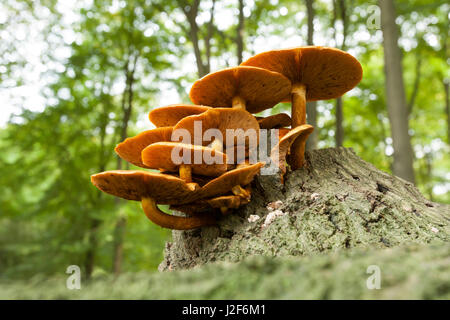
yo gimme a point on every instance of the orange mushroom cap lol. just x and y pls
(274, 121)
(260, 88)
(279, 152)
(222, 119)
(136, 185)
(327, 73)
(223, 184)
(228, 201)
(168, 116)
(130, 149)
(159, 156)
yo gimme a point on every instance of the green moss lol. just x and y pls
(413, 272)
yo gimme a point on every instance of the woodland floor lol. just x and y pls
(413, 272)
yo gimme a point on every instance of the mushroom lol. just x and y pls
(274, 121)
(282, 132)
(168, 116)
(250, 88)
(316, 73)
(153, 188)
(130, 149)
(279, 152)
(233, 181)
(223, 119)
(223, 203)
(159, 156)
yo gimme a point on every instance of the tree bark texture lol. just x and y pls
(338, 201)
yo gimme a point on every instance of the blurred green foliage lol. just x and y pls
(49, 210)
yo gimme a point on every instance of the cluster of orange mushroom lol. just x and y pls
(225, 100)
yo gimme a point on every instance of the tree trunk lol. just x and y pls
(127, 107)
(395, 94)
(240, 32)
(94, 223)
(339, 135)
(337, 201)
(447, 108)
(342, 8)
(119, 236)
(311, 107)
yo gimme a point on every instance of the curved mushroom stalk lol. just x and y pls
(165, 220)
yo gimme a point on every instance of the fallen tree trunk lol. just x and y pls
(337, 201)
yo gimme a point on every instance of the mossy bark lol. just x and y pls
(336, 201)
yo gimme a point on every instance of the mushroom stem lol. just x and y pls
(238, 103)
(239, 191)
(185, 173)
(298, 96)
(174, 222)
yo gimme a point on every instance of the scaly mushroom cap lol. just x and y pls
(168, 116)
(159, 156)
(130, 149)
(274, 121)
(327, 73)
(222, 119)
(229, 202)
(135, 185)
(260, 88)
(223, 184)
(279, 152)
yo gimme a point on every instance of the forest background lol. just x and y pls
(78, 77)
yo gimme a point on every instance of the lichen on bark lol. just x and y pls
(337, 201)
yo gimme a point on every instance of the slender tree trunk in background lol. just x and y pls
(339, 134)
(119, 236)
(127, 108)
(94, 223)
(240, 32)
(395, 94)
(191, 13)
(415, 90)
(311, 107)
(447, 107)
(429, 176)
